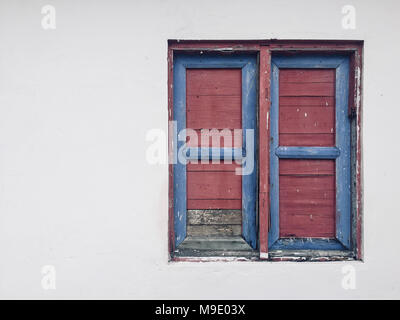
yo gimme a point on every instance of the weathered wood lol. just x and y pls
(244, 255)
(214, 203)
(215, 243)
(214, 230)
(234, 246)
(196, 217)
(311, 255)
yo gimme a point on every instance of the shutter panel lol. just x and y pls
(215, 97)
(310, 147)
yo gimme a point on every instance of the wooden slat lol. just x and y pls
(213, 82)
(196, 217)
(215, 243)
(216, 138)
(214, 204)
(306, 120)
(293, 207)
(306, 196)
(213, 185)
(306, 89)
(307, 139)
(214, 111)
(307, 226)
(307, 101)
(307, 75)
(231, 167)
(310, 182)
(214, 230)
(306, 167)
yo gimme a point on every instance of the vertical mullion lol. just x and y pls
(264, 99)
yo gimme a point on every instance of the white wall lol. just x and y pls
(76, 191)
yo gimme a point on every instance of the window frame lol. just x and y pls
(264, 49)
(248, 65)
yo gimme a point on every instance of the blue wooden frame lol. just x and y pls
(248, 64)
(341, 152)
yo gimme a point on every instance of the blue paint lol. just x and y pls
(249, 181)
(273, 233)
(307, 152)
(309, 61)
(248, 64)
(341, 152)
(179, 168)
(343, 176)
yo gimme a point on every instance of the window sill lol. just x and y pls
(311, 255)
(203, 249)
(234, 246)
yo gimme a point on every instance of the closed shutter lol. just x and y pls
(310, 153)
(215, 102)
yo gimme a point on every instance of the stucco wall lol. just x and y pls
(76, 191)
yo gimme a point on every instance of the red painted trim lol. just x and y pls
(214, 45)
(264, 106)
(359, 169)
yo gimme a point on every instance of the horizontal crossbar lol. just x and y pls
(307, 152)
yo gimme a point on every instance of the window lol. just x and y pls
(214, 206)
(264, 150)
